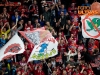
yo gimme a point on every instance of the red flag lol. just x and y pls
(37, 36)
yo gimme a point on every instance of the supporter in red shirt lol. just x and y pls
(89, 70)
(29, 46)
(80, 46)
(28, 27)
(72, 8)
(31, 66)
(62, 46)
(75, 18)
(54, 72)
(96, 42)
(74, 30)
(60, 35)
(84, 73)
(91, 46)
(64, 72)
(77, 70)
(23, 62)
(58, 71)
(34, 8)
(5, 15)
(19, 70)
(39, 71)
(24, 10)
(69, 69)
(27, 53)
(72, 40)
(10, 10)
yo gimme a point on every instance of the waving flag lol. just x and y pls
(37, 36)
(14, 46)
(91, 26)
(45, 45)
(44, 50)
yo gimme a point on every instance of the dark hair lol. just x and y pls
(3, 66)
(72, 57)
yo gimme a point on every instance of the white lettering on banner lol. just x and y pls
(34, 37)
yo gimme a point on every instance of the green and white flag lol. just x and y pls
(44, 50)
(91, 26)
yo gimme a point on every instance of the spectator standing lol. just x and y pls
(47, 15)
(16, 17)
(62, 9)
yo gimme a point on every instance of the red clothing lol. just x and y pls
(90, 71)
(28, 28)
(10, 12)
(21, 70)
(96, 42)
(75, 17)
(72, 41)
(58, 71)
(75, 23)
(62, 47)
(76, 73)
(92, 48)
(39, 73)
(27, 54)
(70, 9)
(80, 74)
(23, 63)
(69, 72)
(62, 35)
(80, 47)
(74, 32)
(20, 8)
(59, 58)
(34, 9)
(23, 10)
(30, 47)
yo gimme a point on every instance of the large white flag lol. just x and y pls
(91, 26)
(14, 46)
(44, 50)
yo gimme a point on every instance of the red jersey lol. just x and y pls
(90, 71)
(39, 72)
(80, 47)
(74, 32)
(96, 42)
(62, 47)
(28, 28)
(71, 9)
(27, 54)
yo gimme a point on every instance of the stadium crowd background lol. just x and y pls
(62, 20)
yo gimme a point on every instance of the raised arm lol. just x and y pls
(13, 27)
(3, 26)
(79, 30)
(8, 27)
(71, 27)
(57, 6)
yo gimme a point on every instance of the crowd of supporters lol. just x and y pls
(74, 52)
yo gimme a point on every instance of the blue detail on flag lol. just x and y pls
(43, 47)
